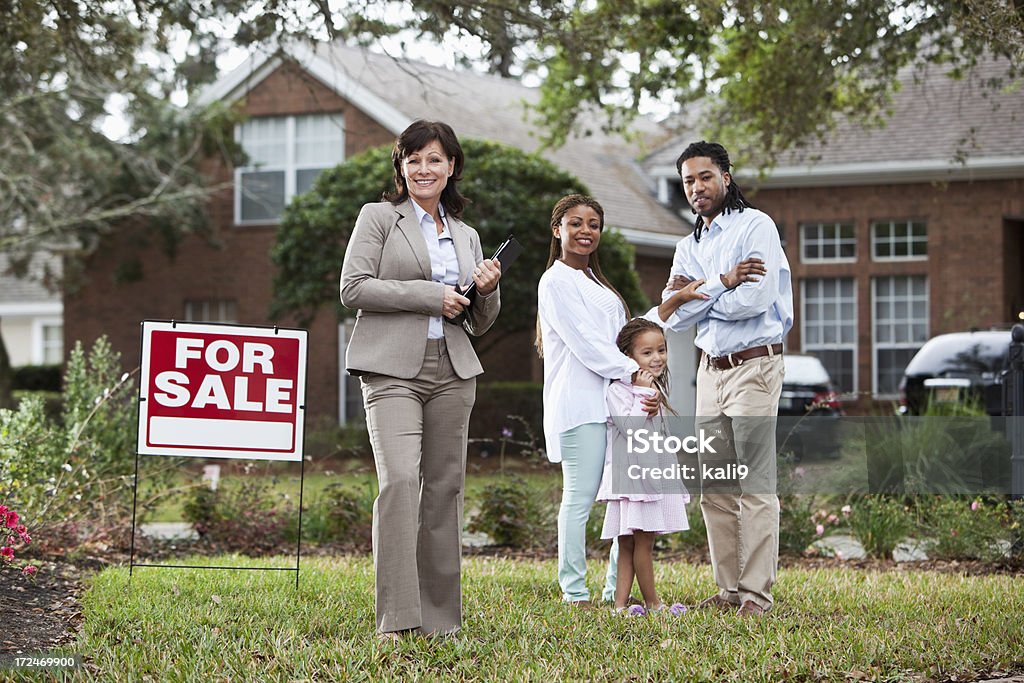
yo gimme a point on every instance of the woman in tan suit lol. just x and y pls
(406, 263)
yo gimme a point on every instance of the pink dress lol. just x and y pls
(636, 509)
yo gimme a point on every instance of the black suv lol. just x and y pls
(957, 367)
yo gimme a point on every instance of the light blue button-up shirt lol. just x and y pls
(751, 314)
(444, 263)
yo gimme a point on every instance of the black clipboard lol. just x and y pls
(506, 254)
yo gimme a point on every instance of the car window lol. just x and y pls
(967, 353)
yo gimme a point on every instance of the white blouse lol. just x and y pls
(579, 321)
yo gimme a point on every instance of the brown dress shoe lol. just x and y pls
(718, 602)
(749, 608)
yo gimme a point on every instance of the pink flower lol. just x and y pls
(832, 519)
(12, 519)
(7, 553)
(820, 529)
(954, 532)
(3, 510)
(975, 505)
(25, 538)
(29, 570)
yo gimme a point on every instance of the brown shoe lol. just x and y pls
(749, 608)
(718, 602)
(581, 604)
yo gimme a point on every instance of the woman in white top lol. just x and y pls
(579, 314)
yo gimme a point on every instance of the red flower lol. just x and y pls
(29, 570)
(12, 519)
(7, 553)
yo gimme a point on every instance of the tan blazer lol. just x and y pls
(386, 275)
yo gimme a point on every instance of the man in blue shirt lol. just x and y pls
(747, 312)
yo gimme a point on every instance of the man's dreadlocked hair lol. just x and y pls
(734, 199)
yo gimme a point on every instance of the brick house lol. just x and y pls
(899, 233)
(308, 114)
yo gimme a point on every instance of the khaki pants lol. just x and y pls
(418, 429)
(743, 521)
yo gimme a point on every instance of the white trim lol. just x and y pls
(32, 309)
(875, 172)
(835, 346)
(836, 241)
(37, 338)
(256, 68)
(874, 223)
(894, 345)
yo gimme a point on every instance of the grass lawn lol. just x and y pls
(832, 625)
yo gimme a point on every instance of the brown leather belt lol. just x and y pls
(734, 360)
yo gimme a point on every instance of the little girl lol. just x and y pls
(636, 513)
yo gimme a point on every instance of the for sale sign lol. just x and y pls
(222, 391)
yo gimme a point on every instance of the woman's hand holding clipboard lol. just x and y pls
(506, 254)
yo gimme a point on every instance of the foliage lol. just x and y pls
(78, 467)
(38, 378)
(511, 192)
(342, 513)
(512, 515)
(962, 528)
(801, 522)
(14, 536)
(244, 518)
(880, 523)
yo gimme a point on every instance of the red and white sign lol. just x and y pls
(222, 391)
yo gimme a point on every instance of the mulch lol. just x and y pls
(39, 615)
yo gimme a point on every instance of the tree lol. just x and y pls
(510, 192)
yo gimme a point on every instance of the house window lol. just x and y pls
(51, 343)
(830, 327)
(900, 326)
(286, 154)
(212, 311)
(827, 242)
(899, 240)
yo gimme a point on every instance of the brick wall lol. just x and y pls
(132, 276)
(969, 251)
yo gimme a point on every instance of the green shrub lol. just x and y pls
(880, 523)
(962, 528)
(342, 513)
(245, 517)
(38, 378)
(512, 515)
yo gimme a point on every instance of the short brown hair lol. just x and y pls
(418, 135)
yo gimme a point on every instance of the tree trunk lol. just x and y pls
(6, 378)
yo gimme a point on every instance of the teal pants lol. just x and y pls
(582, 465)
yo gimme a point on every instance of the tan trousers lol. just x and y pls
(743, 521)
(418, 429)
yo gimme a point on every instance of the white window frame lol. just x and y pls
(838, 241)
(221, 317)
(892, 240)
(290, 167)
(834, 346)
(876, 346)
(39, 339)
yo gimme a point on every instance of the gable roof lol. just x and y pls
(28, 295)
(396, 91)
(937, 128)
